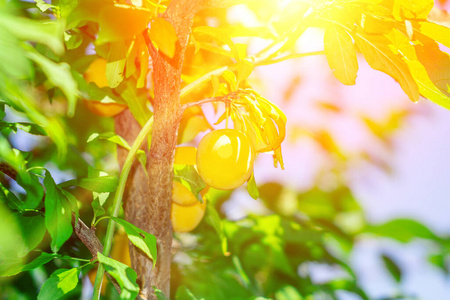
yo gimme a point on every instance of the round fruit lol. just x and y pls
(185, 155)
(96, 73)
(181, 195)
(186, 218)
(225, 159)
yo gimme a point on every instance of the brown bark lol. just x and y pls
(148, 201)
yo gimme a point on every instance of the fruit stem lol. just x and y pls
(118, 202)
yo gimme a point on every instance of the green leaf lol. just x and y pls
(159, 294)
(58, 214)
(45, 32)
(33, 231)
(141, 239)
(43, 6)
(288, 292)
(252, 188)
(136, 100)
(123, 274)
(59, 75)
(103, 184)
(164, 36)
(213, 218)
(60, 283)
(42, 259)
(402, 230)
(379, 55)
(73, 40)
(341, 54)
(112, 137)
(116, 63)
(97, 203)
(392, 267)
(183, 293)
(188, 176)
(30, 183)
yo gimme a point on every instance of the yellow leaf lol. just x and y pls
(377, 52)
(437, 32)
(164, 36)
(120, 22)
(341, 54)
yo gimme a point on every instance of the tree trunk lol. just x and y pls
(148, 200)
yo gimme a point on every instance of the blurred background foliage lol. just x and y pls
(270, 253)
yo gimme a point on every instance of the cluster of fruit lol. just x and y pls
(224, 160)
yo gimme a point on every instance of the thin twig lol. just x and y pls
(225, 99)
(151, 48)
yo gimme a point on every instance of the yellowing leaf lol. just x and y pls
(244, 69)
(427, 88)
(341, 54)
(379, 55)
(164, 36)
(120, 22)
(410, 9)
(437, 32)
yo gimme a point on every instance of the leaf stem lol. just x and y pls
(118, 202)
(225, 99)
(200, 80)
(286, 57)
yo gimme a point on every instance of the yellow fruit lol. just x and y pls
(181, 195)
(225, 159)
(96, 73)
(186, 218)
(185, 155)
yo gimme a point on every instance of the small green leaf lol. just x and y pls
(188, 176)
(103, 184)
(60, 283)
(183, 293)
(159, 294)
(112, 137)
(58, 214)
(392, 267)
(123, 274)
(252, 188)
(73, 40)
(141, 239)
(43, 6)
(97, 203)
